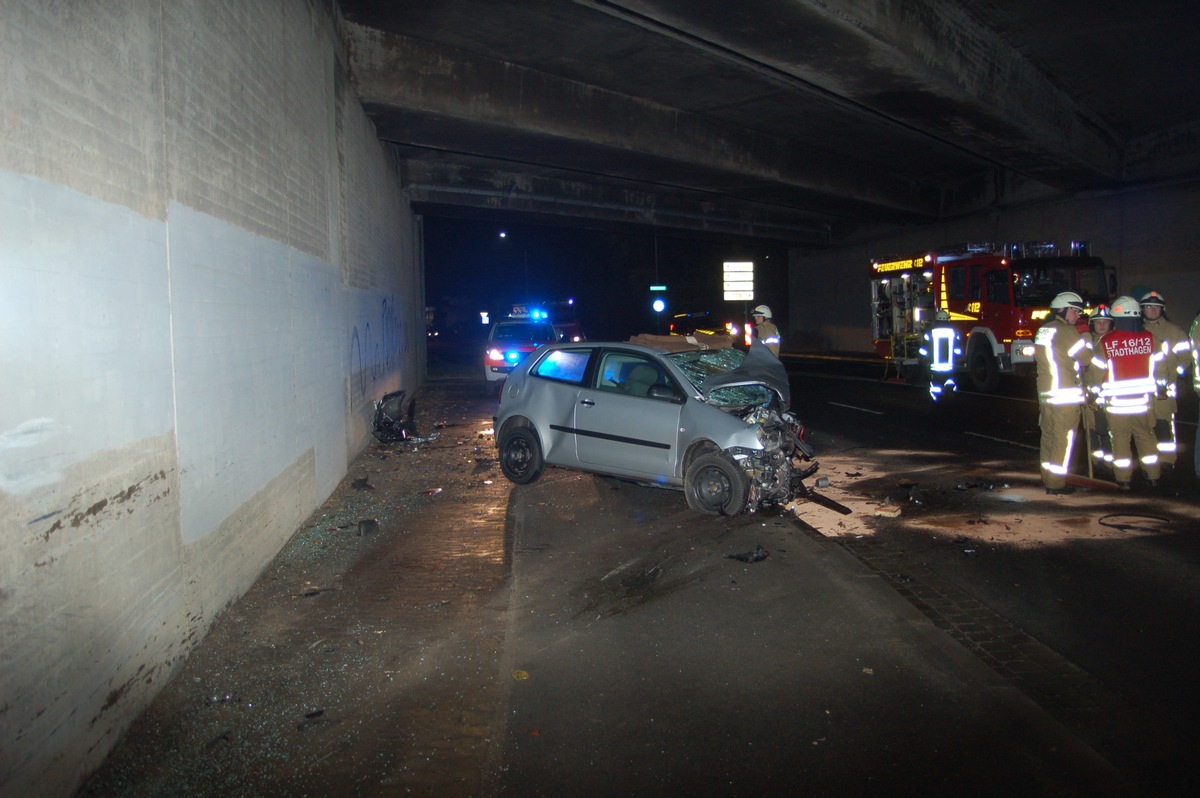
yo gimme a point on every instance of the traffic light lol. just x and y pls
(658, 298)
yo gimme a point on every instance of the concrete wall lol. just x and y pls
(208, 273)
(1150, 235)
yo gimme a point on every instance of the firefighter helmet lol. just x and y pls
(1125, 307)
(1153, 298)
(1100, 314)
(942, 315)
(761, 310)
(1067, 299)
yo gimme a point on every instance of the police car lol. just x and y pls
(511, 339)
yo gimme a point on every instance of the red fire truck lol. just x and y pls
(997, 296)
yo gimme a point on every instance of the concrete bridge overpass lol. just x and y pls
(807, 122)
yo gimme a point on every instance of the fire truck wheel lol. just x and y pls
(985, 374)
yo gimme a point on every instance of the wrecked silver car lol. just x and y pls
(713, 422)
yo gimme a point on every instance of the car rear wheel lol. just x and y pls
(521, 456)
(714, 484)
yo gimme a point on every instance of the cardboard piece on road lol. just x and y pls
(682, 343)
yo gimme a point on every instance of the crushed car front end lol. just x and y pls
(768, 446)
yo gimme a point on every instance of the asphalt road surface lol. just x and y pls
(585, 636)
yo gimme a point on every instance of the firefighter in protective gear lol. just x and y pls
(1061, 355)
(1131, 358)
(1100, 323)
(1174, 366)
(764, 329)
(940, 349)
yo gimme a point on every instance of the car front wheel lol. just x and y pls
(716, 485)
(521, 456)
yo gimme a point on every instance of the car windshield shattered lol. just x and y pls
(698, 366)
(732, 378)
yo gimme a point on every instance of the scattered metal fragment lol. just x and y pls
(313, 718)
(222, 737)
(431, 492)
(368, 526)
(394, 417)
(822, 482)
(757, 555)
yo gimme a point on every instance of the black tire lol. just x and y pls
(521, 456)
(985, 374)
(716, 485)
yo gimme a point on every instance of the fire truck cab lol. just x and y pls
(996, 295)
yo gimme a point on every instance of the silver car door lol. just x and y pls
(618, 429)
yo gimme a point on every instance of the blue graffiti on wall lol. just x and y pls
(375, 351)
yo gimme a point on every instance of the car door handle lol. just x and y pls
(587, 402)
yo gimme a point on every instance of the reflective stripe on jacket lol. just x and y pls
(1061, 354)
(1178, 351)
(1131, 358)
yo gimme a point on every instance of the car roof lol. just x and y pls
(759, 365)
(648, 350)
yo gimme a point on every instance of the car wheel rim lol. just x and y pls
(713, 488)
(517, 456)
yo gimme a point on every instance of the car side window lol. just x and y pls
(564, 365)
(629, 374)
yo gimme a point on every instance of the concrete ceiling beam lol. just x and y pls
(446, 98)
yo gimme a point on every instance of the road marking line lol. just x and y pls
(852, 407)
(1003, 440)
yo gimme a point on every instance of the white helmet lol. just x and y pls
(942, 315)
(1067, 299)
(761, 310)
(1125, 307)
(1154, 298)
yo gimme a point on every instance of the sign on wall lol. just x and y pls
(739, 281)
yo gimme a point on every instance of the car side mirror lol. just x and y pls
(667, 393)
